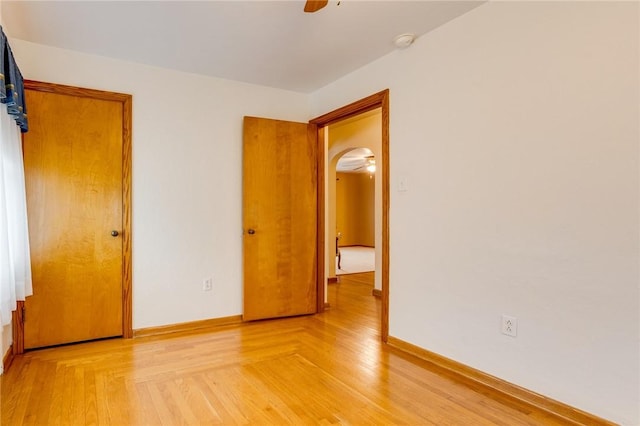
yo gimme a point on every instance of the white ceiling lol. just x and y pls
(270, 43)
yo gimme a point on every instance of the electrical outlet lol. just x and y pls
(207, 284)
(509, 325)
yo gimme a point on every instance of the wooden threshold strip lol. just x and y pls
(187, 326)
(501, 388)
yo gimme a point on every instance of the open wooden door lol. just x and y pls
(279, 218)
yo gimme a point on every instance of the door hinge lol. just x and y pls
(24, 314)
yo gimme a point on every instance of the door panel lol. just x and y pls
(73, 156)
(280, 218)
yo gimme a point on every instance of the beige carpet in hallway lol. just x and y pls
(356, 259)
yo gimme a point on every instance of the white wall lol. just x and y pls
(187, 175)
(516, 127)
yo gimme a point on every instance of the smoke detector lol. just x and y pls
(404, 40)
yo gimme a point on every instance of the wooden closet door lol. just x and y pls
(73, 155)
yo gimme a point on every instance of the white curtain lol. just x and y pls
(15, 261)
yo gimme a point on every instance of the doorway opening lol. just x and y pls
(374, 107)
(354, 200)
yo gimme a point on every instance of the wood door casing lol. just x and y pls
(377, 100)
(280, 205)
(77, 167)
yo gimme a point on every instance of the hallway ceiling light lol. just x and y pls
(355, 160)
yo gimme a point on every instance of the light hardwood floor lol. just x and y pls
(321, 369)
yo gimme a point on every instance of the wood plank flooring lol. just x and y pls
(321, 369)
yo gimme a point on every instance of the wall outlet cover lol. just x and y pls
(509, 325)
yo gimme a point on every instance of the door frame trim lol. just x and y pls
(377, 100)
(126, 101)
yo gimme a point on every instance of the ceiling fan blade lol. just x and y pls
(314, 5)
